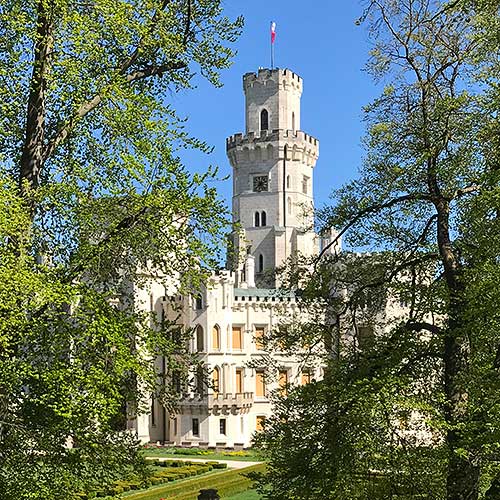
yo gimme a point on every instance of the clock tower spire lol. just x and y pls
(272, 175)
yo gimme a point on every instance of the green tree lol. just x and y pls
(415, 409)
(94, 204)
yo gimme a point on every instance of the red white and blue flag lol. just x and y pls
(273, 31)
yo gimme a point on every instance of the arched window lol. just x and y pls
(199, 338)
(257, 219)
(288, 182)
(263, 219)
(216, 337)
(216, 381)
(261, 263)
(264, 120)
(198, 302)
(293, 121)
(200, 380)
(289, 204)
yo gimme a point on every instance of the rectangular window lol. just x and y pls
(175, 426)
(283, 382)
(260, 423)
(237, 338)
(365, 337)
(153, 414)
(196, 427)
(259, 338)
(222, 426)
(306, 377)
(260, 386)
(239, 380)
(305, 181)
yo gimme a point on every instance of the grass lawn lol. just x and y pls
(228, 482)
(246, 495)
(248, 456)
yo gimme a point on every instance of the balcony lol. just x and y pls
(229, 400)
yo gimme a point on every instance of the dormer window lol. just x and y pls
(264, 120)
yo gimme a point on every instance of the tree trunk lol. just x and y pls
(32, 153)
(463, 469)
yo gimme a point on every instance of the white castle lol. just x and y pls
(273, 166)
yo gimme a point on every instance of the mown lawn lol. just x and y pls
(246, 495)
(246, 456)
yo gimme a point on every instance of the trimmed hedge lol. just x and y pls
(227, 483)
(168, 472)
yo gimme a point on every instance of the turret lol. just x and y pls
(273, 170)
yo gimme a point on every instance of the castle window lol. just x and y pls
(263, 219)
(199, 338)
(260, 385)
(288, 182)
(260, 422)
(237, 338)
(195, 427)
(200, 380)
(259, 338)
(198, 302)
(305, 181)
(261, 263)
(264, 120)
(257, 219)
(283, 382)
(293, 121)
(289, 205)
(216, 381)
(239, 380)
(216, 338)
(222, 426)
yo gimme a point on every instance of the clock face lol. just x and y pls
(260, 183)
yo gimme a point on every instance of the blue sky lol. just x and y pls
(318, 40)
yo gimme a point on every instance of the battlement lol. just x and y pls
(268, 136)
(270, 145)
(284, 78)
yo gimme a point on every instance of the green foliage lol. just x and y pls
(94, 205)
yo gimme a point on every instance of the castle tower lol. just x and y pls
(273, 172)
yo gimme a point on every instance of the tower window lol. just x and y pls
(288, 182)
(264, 120)
(261, 263)
(289, 204)
(304, 184)
(293, 121)
(199, 338)
(263, 219)
(257, 219)
(198, 302)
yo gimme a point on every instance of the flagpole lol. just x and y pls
(273, 36)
